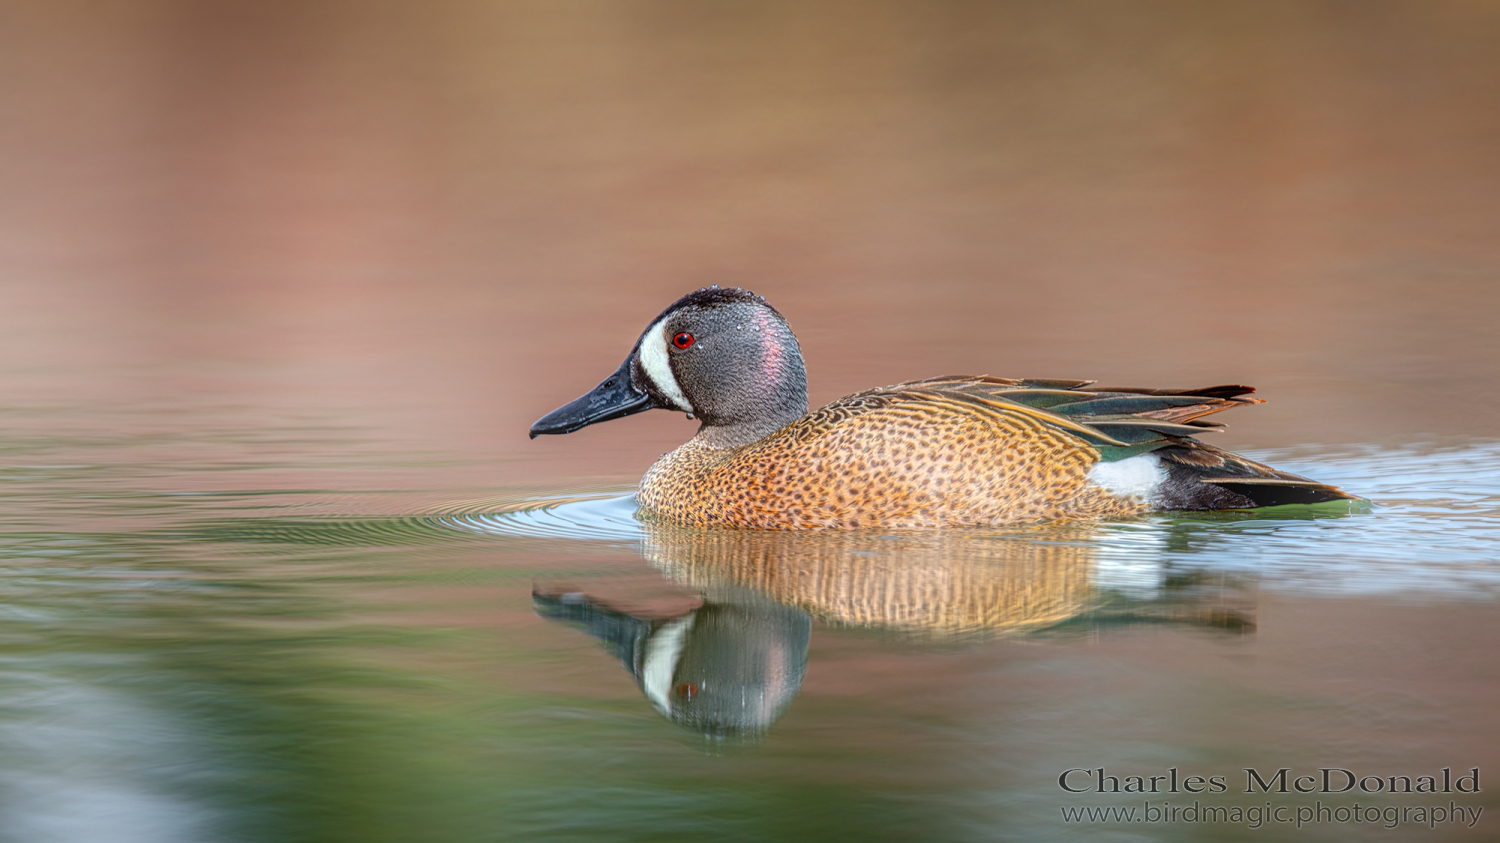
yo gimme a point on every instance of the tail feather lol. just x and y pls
(1274, 491)
(1202, 477)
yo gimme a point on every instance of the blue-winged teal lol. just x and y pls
(950, 451)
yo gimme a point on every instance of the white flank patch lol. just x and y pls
(663, 649)
(1134, 477)
(658, 368)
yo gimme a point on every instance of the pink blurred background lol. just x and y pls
(430, 223)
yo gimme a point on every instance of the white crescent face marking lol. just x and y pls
(658, 368)
(1133, 477)
(663, 649)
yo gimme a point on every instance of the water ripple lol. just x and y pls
(601, 516)
(1432, 524)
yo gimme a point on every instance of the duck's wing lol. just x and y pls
(1123, 422)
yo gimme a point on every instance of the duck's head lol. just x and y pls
(723, 356)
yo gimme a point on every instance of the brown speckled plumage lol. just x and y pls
(912, 455)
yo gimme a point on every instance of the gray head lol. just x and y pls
(724, 356)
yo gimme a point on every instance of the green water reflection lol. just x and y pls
(260, 667)
(728, 665)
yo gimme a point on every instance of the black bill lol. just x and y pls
(616, 398)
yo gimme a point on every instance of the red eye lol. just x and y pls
(683, 340)
(687, 690)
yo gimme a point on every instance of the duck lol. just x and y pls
(951, 451)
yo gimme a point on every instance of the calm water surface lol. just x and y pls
(313, 663)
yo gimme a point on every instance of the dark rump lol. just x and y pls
(1202, 477)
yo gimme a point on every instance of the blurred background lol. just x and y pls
(433, 222)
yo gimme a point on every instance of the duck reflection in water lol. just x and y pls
(729, 667)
